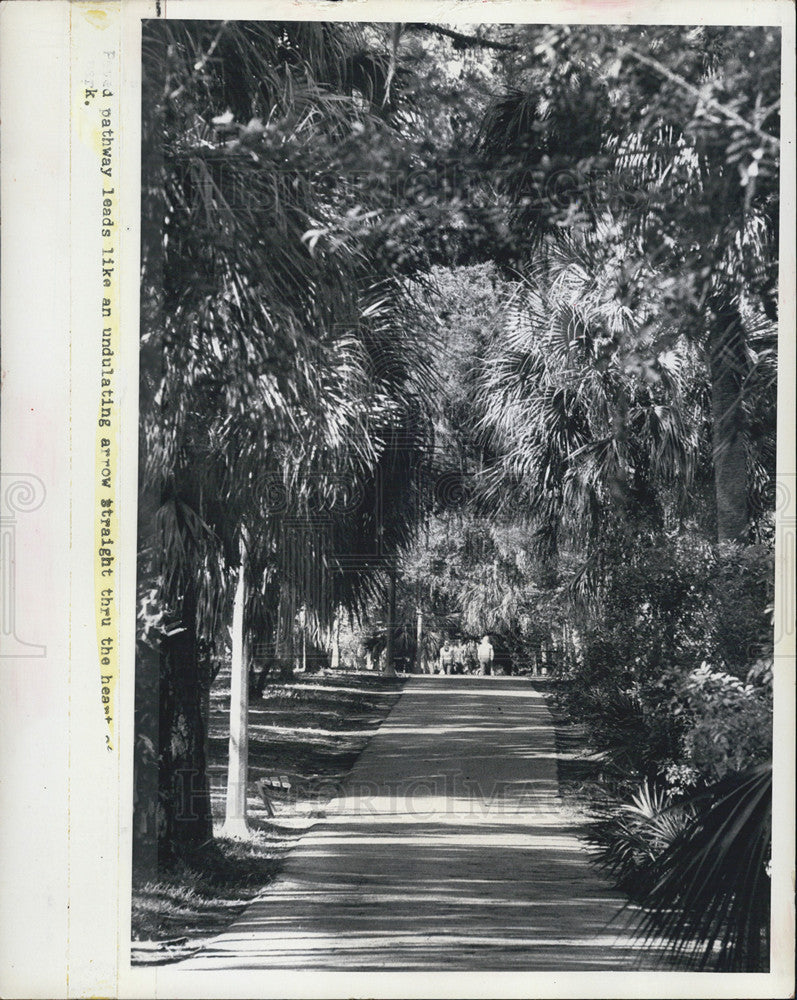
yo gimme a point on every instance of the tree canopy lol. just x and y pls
(450, 330)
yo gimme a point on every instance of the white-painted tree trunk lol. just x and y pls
(419, 642)
(390, 668)
(335, 658)
(235, 824)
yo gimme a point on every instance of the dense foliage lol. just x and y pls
(450, 332)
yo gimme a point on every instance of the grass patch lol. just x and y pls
(310, 731)
(205, 891)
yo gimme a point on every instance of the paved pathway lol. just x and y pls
(448, 848)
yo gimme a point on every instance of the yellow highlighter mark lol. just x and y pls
(97, 18)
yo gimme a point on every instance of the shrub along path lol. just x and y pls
(448, 847)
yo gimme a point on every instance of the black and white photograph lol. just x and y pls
(457, 496)
(398, 505)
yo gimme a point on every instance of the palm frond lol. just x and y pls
(710, 898)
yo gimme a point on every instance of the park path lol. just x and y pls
(447, 848)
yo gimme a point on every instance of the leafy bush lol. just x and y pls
(675, 690)
(632, 738)
(675, 679)
(730, 721)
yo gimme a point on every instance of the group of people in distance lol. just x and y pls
(466, 656)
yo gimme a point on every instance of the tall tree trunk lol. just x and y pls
(284, 645)
(335, 660)
(304, 639)
(390, 669)
(184, 790)
(728, 365)
(260, 654)
(235, 824)
(578, 648)
(172, 798)
(146, 807)
(419, 641)
(567, 649)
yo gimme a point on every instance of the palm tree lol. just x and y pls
(613, 127)
(682, 138)
(264, 341)
(580, 437)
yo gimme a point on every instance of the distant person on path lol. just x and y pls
(447, 655)
(485, 654)
(470, 659)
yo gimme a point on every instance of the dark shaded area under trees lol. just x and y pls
(451, 331)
